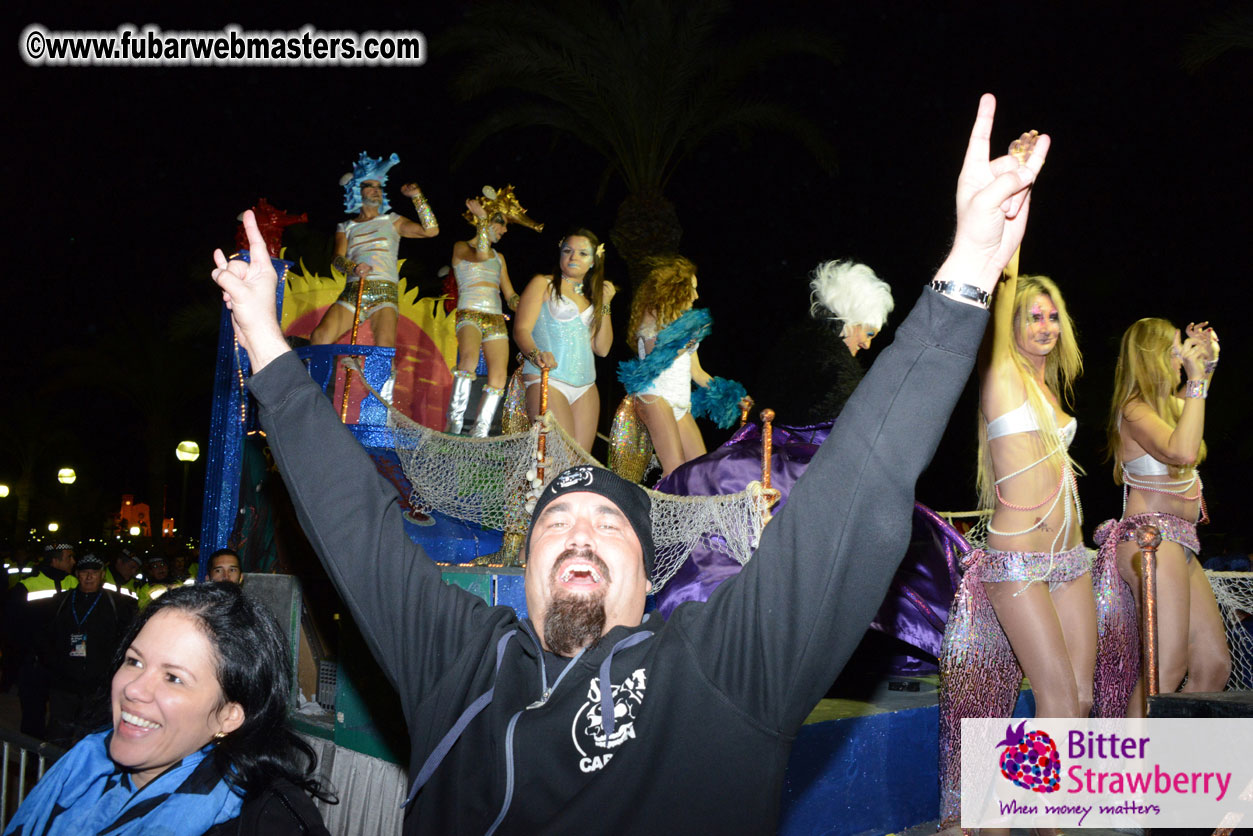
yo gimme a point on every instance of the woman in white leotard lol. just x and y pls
(1155, 438)
(664, 404)
(562, 321)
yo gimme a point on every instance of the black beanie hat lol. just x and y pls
(630, 498)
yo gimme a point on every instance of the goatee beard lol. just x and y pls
(574, 622)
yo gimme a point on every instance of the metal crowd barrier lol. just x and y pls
(28, 754)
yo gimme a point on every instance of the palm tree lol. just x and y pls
(1219, 35)
(644, 83)
(28, 437)
(150, 370)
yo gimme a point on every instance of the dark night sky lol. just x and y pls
(122, 181)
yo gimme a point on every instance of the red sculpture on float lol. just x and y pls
(272, 222)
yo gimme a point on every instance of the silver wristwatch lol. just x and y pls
(958, 290)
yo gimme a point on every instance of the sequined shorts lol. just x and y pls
(491, 326)
(1172, 528)
(378, 294)
(1055, 569)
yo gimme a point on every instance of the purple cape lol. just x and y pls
(918, 600)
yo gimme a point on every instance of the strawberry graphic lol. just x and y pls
(1030, 760)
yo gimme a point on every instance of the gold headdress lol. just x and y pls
(502, 206)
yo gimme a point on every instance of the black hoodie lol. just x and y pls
(682, 726)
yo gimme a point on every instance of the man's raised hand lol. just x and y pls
(993, 198)
(249, 289)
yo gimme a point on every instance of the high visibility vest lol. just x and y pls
(128, 589)
(152, 591)
(41, 586)
(16, 574)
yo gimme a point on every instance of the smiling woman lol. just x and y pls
(563, 320)
(199, 742)
(1025, 605)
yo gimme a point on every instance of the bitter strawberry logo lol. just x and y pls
(1030, 759)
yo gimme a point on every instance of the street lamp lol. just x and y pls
(135, 530)
(4, 491)
(186, 452)
(53, 527)
(66, 476)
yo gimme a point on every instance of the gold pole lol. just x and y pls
(543, 390)
(767, 451)
(746, 406)
(541, 443)
(356, 321)
(1148, 538)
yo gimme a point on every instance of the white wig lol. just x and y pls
(850, 292)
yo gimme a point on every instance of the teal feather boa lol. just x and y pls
(719, 401)
(636, 374)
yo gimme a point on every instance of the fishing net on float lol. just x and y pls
(1234, 591)
(490, 482)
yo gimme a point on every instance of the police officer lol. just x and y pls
(27, 615)
(87, 626)
(123, 575)
(159, 580)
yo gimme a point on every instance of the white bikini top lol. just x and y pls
(564, 309)
(1021, 420)
(1146, 465)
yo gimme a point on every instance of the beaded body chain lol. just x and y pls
(1066, 492)
(1177, 488)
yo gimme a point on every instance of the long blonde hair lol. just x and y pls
(1062, 367)
(666, 293)
(1144, 373)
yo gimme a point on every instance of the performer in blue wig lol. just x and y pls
(366, 249)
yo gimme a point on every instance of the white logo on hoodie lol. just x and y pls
(588, 728)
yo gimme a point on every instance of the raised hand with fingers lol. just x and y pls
(1194, 355)
(1207, 338)
(248, 289)
(993, 198)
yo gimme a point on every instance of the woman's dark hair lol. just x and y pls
(595, 278)
(253, 670)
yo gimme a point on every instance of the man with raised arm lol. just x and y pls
(589, 715)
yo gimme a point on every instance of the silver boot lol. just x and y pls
(488, 404)
(460, 399)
